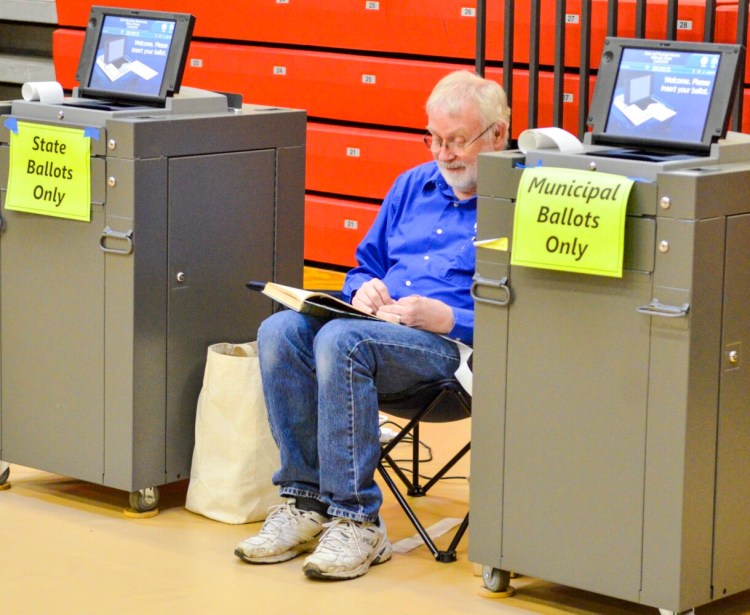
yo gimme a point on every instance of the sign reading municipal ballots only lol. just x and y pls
(570, 220)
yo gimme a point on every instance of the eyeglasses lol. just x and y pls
(435, 143)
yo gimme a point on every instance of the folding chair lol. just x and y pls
(434, 402)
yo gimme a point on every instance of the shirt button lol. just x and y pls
(455, 204)
(439, 231)
(408, 282)
(426, 257)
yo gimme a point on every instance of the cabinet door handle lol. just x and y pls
(501, 284)
(127, 237)
(655, 308)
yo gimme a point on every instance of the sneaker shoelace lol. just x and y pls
(340, 536)
(278, 517)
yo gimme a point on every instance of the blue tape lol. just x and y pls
(92, 132)
(11, 123)
(518, 165)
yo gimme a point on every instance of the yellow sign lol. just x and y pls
(498, 243)
(570, 220)
(50, 172)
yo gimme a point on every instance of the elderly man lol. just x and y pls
(321, 377)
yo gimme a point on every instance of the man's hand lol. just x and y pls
(419, 312)
(371, 296)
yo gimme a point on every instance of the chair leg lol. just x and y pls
(442, 556)
(415, 489)
(458, 536)
(456, 458)
(399, 472)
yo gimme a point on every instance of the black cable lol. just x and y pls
(408, 439)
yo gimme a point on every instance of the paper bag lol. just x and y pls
(235, 454)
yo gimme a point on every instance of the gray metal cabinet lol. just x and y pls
(609, 439)
(104, 325)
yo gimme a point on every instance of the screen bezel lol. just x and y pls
(173, 70)
(720, 106)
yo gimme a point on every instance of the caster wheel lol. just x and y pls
(496, 583)
(145, 500)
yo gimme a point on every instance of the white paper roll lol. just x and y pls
(546, 138)
(49, 92)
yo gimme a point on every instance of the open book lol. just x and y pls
(312, 302)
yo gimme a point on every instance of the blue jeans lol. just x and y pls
(321, 380)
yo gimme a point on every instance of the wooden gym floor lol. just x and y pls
(68, 549)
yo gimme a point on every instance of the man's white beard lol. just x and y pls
(465, 181)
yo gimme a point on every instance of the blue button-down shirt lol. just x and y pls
(421, 243)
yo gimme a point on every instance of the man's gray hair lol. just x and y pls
(453, 90)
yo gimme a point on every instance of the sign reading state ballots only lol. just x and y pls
(50, 172)
(570, 220)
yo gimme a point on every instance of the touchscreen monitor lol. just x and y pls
(133, 56)
(664, 95)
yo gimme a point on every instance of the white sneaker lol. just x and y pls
(347, 550)
(286, 533)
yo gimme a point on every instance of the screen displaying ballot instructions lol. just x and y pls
(132, 54)
(662, 94)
